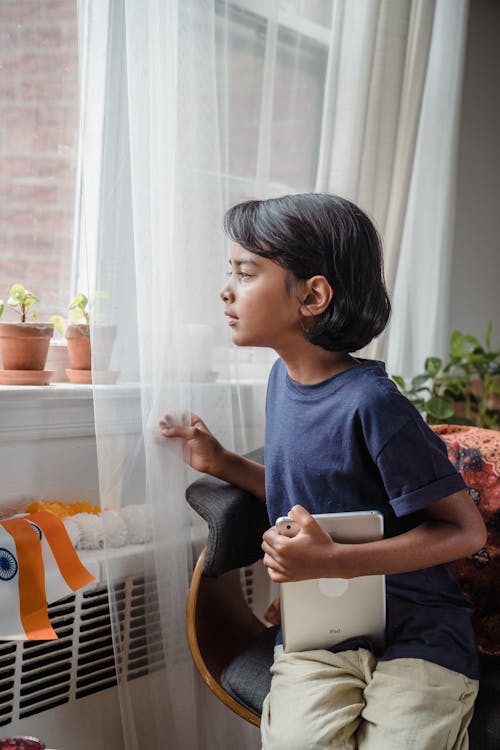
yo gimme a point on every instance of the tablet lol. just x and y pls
(323, 612)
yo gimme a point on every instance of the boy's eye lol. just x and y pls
(240, 274)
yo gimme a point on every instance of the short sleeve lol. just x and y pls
(415, 469)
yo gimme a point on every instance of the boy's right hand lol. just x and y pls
(204, 452)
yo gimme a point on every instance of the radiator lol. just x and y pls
(64, 691)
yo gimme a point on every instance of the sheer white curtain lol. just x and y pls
(187, 107)
(421, 290)
(395, 68)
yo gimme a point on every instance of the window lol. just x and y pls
(39, 101)
(38, 149)
(296, 81)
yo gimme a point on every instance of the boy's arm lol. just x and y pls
(454, 529)
(204, 453)
(243, 473)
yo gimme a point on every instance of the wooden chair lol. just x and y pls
(231, 648)
(221, 626)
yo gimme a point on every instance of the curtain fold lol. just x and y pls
(154, 187)
(379, 75)
(415, 69)
(421, 292)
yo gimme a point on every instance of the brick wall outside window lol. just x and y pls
(38, 148)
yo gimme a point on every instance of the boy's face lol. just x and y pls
(259, 308)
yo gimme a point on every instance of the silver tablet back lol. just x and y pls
(323, 612)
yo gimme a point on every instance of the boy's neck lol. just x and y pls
(312, 364)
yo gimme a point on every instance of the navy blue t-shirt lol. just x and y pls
(354, 442)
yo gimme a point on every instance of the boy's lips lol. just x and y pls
(231, 319)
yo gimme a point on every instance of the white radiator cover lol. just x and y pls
(64, 691)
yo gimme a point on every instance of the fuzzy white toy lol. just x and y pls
(139, 525)
(115, 529)
(72, 527)
(130, 525)
(91, 530)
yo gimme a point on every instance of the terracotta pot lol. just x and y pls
(78, 337)
(25, 345)
(79, 349)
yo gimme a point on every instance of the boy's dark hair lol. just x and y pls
(320, 234)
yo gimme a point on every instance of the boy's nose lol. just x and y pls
(225, 293)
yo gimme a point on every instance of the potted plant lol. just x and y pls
(77, 333)
(24, 344)
(463, 390)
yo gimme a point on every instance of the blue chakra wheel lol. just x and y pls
(37, 529)
(475, 495)
(468, 458)
(8, 565)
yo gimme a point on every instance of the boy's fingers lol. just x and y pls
(302, 516)
(182, 432)
(271, 549)
(170, 420)
(272, 564)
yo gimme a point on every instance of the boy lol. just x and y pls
(306, 280)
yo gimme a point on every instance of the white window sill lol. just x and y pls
(66, 410)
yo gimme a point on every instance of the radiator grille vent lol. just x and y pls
(37, 676)
(247, 584)
(7, 681)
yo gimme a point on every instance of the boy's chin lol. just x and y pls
(239, 339)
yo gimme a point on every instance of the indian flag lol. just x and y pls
(38, 565)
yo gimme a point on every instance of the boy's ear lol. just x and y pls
(316, 296)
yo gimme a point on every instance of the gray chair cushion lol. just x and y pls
(248, 678)
(236, 522)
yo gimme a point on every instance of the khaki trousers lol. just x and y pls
(349, 701)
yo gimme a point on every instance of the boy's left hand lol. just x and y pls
(309, 554)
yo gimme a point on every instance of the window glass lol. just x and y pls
(240, 45)
(297, 109)
(318, 11)
(38, 149)
(294, 122)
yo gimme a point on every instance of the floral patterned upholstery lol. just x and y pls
(475, 452)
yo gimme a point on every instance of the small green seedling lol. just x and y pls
(78, 310)
(20, 300)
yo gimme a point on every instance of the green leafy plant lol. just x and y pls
(21, 300)
(465, 389)
(78, 311)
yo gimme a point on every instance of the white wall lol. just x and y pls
(475, 279)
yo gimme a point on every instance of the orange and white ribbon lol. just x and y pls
(64, 571)
(38, 565)
(23, 606)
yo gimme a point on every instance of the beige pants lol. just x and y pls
(349, 700)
